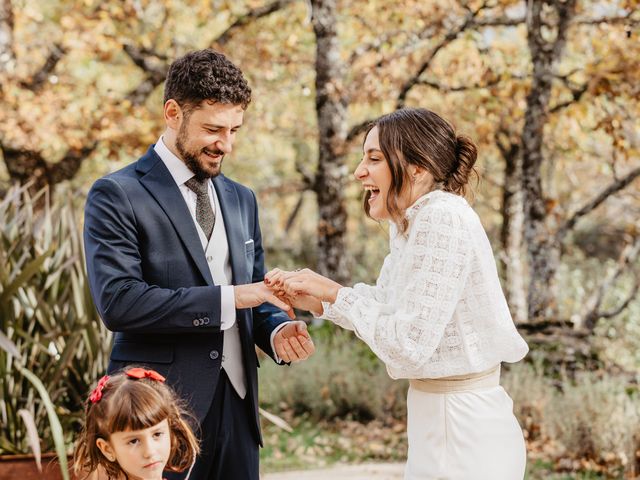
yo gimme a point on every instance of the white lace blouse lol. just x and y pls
(437, 308)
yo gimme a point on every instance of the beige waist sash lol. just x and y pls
(458, 383)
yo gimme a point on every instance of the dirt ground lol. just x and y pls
(367, 471)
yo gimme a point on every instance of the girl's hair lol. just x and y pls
(417, 136)
(122, 402)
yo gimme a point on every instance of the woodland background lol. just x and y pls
(550, 91)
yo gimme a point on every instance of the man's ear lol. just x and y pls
(106, 449)
(173, 114)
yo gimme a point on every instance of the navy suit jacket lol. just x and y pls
(152, 285)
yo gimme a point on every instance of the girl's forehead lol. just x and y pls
(129, 431)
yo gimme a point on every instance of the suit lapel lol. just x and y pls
(160, 184)
(230, 206)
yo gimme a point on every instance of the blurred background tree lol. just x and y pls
(548, 89)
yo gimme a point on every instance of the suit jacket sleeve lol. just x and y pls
(266, 317)
(114, 265)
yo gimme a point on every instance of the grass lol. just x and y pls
(320, 444)
(314, 445)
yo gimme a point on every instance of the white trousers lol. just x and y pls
(470, 435)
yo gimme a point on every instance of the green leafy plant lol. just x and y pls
(53, 345)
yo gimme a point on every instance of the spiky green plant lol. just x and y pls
(52, 333)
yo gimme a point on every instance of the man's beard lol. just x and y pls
(192, 159)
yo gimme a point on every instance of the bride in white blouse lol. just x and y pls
(437, 314)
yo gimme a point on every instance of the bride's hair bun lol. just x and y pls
(466, 155)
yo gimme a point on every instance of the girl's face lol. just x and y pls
(142, 454)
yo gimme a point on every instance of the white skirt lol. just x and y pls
(470, 435)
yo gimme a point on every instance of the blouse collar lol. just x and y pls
(417, 205)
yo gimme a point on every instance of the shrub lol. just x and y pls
(596, 418)
(342, 379)
(592, 417)
(46, 312)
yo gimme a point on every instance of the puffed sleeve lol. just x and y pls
(405, 329)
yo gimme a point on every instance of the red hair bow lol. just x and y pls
(143, 373)
(96, 395)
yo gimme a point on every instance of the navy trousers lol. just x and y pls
(228, 447)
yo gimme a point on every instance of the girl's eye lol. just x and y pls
(158, 434)
(134, 441)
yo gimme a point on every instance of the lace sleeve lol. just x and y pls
(375, 293)
(405, 330)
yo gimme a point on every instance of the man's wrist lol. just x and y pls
(239, 293)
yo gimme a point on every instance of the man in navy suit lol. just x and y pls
(176, 267)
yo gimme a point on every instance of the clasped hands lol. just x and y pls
(303, 289)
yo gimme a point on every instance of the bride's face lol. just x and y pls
(374, 174)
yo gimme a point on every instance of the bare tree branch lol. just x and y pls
(613, 187)
(373, 46)
(26, 165)
(627, 19)
(576, 94)
(461, 88)
(69, 165)
(294, 213)
(41, 76)
(506, 21)
(146, 59)
(628, 257)
(448, 38)
(358, 129)
(156, 65)
(500, 21)
(618, 310)
(250, 16)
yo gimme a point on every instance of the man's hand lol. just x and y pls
(302, 302)
(293, 343)
(302, 282)
(254, 294)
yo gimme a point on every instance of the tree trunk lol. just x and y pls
(512, 234)
(331, 113)
(544, 20)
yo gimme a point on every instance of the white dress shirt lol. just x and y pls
(181, 174)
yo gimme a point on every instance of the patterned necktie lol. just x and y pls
(204, 212)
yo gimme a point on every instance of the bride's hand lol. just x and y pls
(305, 302)
(275, 280)
(303, 282)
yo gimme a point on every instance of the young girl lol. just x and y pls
(134, 429)
(437, 314)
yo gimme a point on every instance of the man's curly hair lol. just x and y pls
(205, 75)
